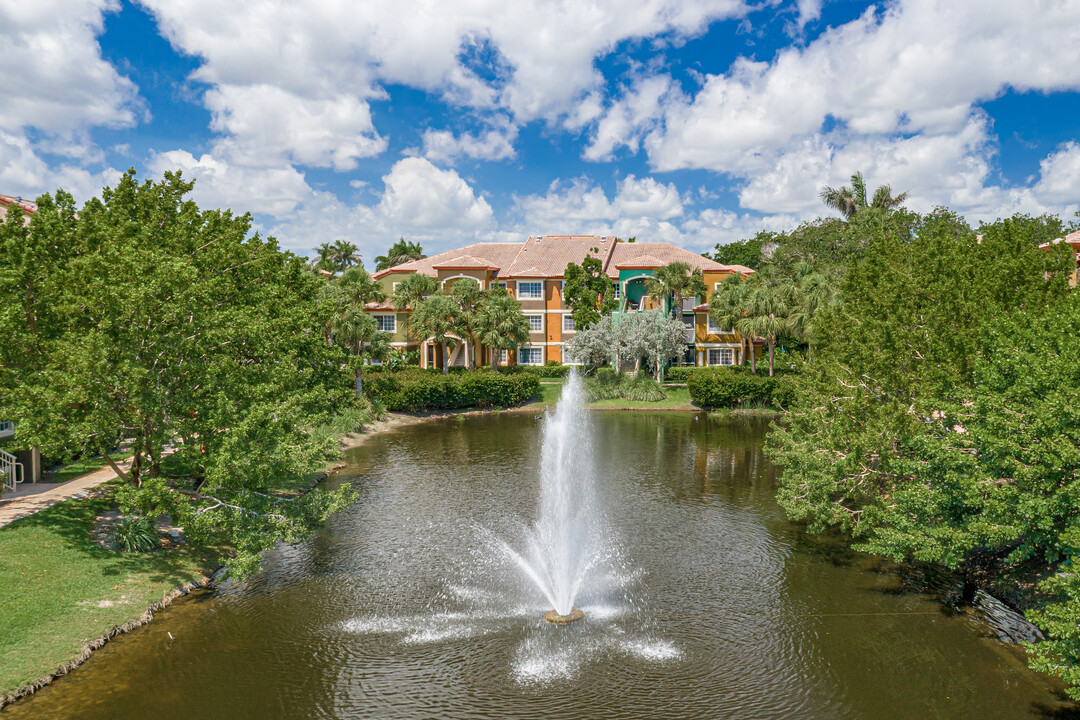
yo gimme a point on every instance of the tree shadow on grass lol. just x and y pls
(72, 521)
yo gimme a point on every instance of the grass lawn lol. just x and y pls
(58, 589)
(82, 466)
(678, 398)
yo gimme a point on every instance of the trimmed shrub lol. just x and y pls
(543, 371)
(679, 374)
(422, 390)
(732, 386)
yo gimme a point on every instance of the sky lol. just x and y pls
(691, 121)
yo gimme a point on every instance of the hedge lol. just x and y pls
(542, 371)
(730, 386)
(412, 390)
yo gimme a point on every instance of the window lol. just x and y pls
(395, 287)
(500, 357)
(568, 323)
(568, 359)
(536, 323)
(530, 291)
(530, 356)
(502, 284)
(615, 290)
(713, 329)
(721, 356)
(386, 323)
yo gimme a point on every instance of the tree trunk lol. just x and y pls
(445, 358)
(753, 358)
(772, 344)
(494, 358)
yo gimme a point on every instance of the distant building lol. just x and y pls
(7, 201)
(532, 272)
(1073, 239)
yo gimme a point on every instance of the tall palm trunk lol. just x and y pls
(445, 358)
(772, 345)
(753, 358)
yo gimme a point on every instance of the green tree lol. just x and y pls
(744, 252)
(344, 255)
(727, 307)
(467, 294)
(588, 292)
(400, 252)
(436, 318)
(880, 443)
(500, 324)
(849, 201)
(675, 281)
(143, 317)
(413, 288)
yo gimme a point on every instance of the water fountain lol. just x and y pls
(565, 541)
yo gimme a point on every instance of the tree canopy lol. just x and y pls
(143, 318)
(400, 252)
(588, 292)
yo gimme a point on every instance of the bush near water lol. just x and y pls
(727, 387)
(424, 390)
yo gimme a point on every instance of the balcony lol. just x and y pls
(7, 429)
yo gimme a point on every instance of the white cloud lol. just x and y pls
(58, 81)
(1059, 176)
(222, 183)
(626, 121)
(269, 122)
(496, 143)
(435, 207)
(58, 87)
(420, 196)
(328, 62)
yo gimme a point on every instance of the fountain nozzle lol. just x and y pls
(553, 617)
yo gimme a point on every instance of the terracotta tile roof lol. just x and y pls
(658, 254)
(384, 305)
(1072, 238)
(547, 256)
(499, 255)
(27, 205)
(466, 262)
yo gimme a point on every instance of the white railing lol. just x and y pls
(7, 428)
(11, 470)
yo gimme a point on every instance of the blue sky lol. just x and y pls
(693, 121)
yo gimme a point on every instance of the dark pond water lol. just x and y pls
(397, 610)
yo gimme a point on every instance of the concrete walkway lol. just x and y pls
(33, 497)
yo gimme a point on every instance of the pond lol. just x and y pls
(397, 609)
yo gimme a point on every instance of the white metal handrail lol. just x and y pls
(11, 470)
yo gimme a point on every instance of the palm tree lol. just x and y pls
(806, 293)
(344, 255)
(468, 296)
(435, 318)
(764, 314)
(848, 201)
(500, 324)
(676, 280)
(400, 252)
(359, 287)
(726, 308)
(412, 289)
